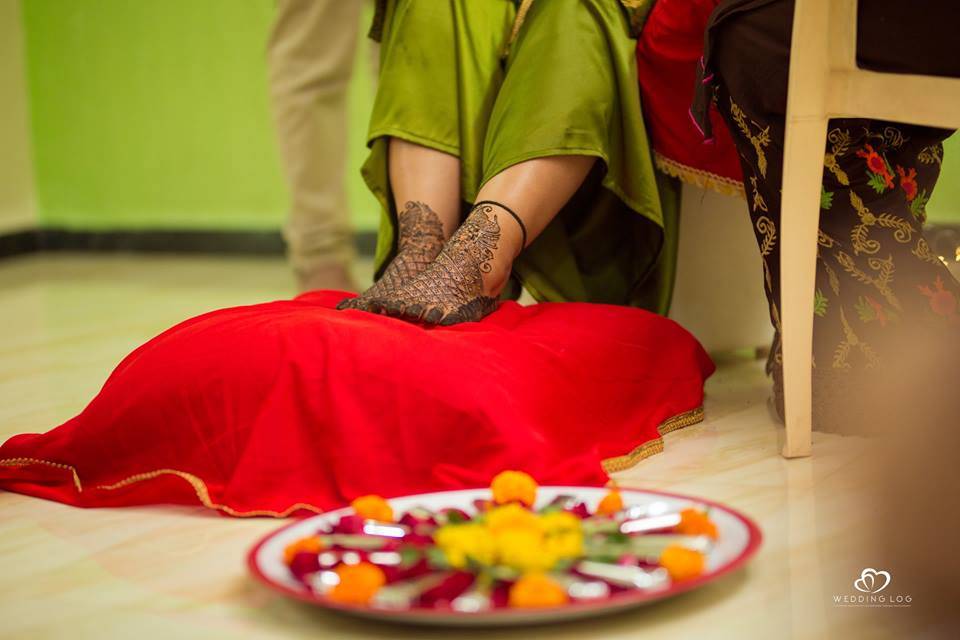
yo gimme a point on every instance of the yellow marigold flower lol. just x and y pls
(682, 563)
(313, 544)
(560, 522)
(536, 590)
(373, 508)
(696, 523)
(514, 486)
(512, 516)
(358, 583)
(611, 503)
(524, 550)
(463, 542)
(564, 534)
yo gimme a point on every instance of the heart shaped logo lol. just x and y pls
(872, 581)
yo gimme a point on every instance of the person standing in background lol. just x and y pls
(310, 57)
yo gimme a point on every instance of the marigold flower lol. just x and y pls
(536, 590)
(524, 550)
(694, 522)
(358, 583)
(564, 534)
(464, 542)
(611, 503)
(682, 563)
(514, 486)
(512, 516)
(312, 544)
(373, 508)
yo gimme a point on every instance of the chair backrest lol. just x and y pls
(824, 65)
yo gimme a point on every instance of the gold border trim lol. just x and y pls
(698, 177)
(609, 465)
(655, 446)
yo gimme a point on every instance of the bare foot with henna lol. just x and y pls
(421, 239)
(463, 283)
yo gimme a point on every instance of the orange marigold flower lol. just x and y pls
(358, 583)
(514, 486)
(303, 545)
(682, 563)
(611, 503)
(373, 508)
(536, 590)
(694, 522)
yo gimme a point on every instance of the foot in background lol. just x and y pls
(334, 276)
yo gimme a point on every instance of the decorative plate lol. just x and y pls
(374, 566)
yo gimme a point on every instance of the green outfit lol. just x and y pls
(567, 87)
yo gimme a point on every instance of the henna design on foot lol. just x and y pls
(421, 239)
(452, 289)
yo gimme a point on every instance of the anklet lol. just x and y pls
(523, 228)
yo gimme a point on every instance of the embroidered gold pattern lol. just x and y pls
(849, 265)
(651, 447)
(840, 144)
(768, 229)
(758, 201)
(922, 251)
(698, 177)
(931, 155)
(25, 462)
(759, 141)
(849, 342)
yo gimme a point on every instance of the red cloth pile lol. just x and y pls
(668, 52)
(276, 408)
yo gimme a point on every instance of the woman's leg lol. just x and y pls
(426, 190)
(883, 301)
(512, 209)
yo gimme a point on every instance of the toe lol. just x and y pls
(392, 307)
(414, 311)
(433, 315)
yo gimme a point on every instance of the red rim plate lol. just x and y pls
(506, 616)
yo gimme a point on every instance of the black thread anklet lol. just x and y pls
(523, 228)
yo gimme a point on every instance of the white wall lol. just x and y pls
(17, 203)
(719, 291)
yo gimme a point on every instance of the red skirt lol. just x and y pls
(669, 50)
(293, 406)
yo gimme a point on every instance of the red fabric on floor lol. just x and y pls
(668, 52)
(256, 410)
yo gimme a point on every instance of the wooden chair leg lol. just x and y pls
(803, 174)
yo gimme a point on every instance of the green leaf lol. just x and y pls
(876, 181)
(918, 207)
(436, 558)
(819, 304)
(826, 199)
(865, 311)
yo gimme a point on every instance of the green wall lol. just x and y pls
(944, 206)
(154, 114)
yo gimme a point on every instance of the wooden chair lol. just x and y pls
(825, 83)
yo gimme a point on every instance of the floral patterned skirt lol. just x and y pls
(885, 306)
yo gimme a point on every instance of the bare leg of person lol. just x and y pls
(426, 189)
(512, 209)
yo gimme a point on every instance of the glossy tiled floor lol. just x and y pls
(179, 573)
